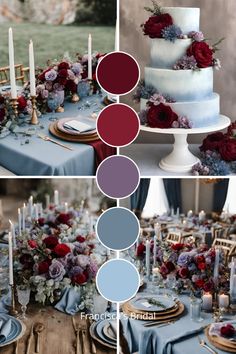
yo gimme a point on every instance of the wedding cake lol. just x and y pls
(178, 87)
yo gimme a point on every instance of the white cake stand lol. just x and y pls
(181, 159)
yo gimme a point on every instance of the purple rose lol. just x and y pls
(51, 75)
(77, 68)
(93, 268)
(56, 270)
(184, 259)
(82, 260)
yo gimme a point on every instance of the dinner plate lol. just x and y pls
(139, 303)
(108, 332)
(72, 138)
(17, 329)
(100, 333)
(94, 335)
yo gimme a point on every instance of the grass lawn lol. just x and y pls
(51, 42)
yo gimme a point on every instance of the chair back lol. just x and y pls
(173, 237)
(21, 74)
(227, 246)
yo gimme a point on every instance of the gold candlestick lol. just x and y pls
(34, 117)
(14, 104)
(75, 98)
(12, 310)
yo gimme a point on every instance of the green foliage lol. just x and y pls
(156, 10)
(96, 12)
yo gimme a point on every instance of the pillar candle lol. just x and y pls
(12, 65)
(32, 69)
(13, 233)
(223, 301)
(56, 197)
(207, 302)
(148, 258)
(19, 221)
(10, 253)
(177, 213)
(190, 214)
(90, 72)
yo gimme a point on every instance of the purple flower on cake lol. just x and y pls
(182, 122)
(51, 75)
(186, 63)
(157, 99)
(196, 36)
(56, 270)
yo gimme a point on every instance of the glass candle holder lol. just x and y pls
(195, 310)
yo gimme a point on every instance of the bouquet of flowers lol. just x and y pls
(55, 252)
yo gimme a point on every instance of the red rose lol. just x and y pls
(64, 218)
(170, 266)
(2, 100)
(227, 330)
(200, 259)
(80, 278)
(161, 116)
(33, 244)
(155, 24)
(228, 150)
(80, 239)
(164, 270)
(201, 266)
(62, 77)
(200, 283)
(41, 221)
(22, 103)
(212, 142)
(43, 267)
(51, 242)
(62, 250)
(202, 53)
(71, 86)
(2, 114)
(183, 272)
(63, 65)
(41, 77)
(177, 246)
(140, 250)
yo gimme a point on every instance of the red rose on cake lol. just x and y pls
(161, 116)
(212, 142)
(202, 53)
(227, 150)
(155, 24)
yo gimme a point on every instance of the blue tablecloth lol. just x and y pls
(151, 340)
(40, 158)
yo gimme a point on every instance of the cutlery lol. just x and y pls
(16, 347)
(30, 339)
(38, 328)
(86, 346)
(77, 333)
(158, 325)
(93, 346)
(206, 346)
(46, 138)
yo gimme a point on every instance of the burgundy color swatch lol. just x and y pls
(118, 125)
(118, 73)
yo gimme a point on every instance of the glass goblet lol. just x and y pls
(54, 101)
(23, 295)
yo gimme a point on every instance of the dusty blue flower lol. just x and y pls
(171, 33)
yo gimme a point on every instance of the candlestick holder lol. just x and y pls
(12, 310)
(34, 116)
(14, 104)
(75, 98)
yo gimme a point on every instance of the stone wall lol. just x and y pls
(39, 11)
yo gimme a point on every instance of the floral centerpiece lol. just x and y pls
(55, 252)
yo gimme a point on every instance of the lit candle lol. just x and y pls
(154, 250)
(190, 214)
(223, 300)
(36, 211)
(23, 217)
(202, 215)
(30, 206)
(177, 213)
(148, 258)
(207, 302)
(32, 69)
(66, 207)
(19, 221)
(157, 229)
(13, 233)
(47, 199)
(90, 72)
(56, 197)
(12, 65)
(11, 282)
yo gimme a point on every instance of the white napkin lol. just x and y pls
(113, 326)
(78, 126)
(5, 329)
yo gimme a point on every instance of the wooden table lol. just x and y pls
(58, 336)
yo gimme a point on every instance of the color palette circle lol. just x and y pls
(118, 73)
(118, 125)
(118, 280)
(117, 228)
(117, 177)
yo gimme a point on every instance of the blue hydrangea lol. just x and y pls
(211, 164)
(171, 33)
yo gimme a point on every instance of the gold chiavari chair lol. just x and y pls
(21, 74)
(173, 237)
(227, 246)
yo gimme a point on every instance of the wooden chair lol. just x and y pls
(21, 74)
(227, 246)
(173, 237)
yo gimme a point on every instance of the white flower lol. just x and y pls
(50, 282)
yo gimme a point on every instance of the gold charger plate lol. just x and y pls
(220, 343)
(157, 313)
(92, 331)
(76, 139)
(147, 316)
(61, 128)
